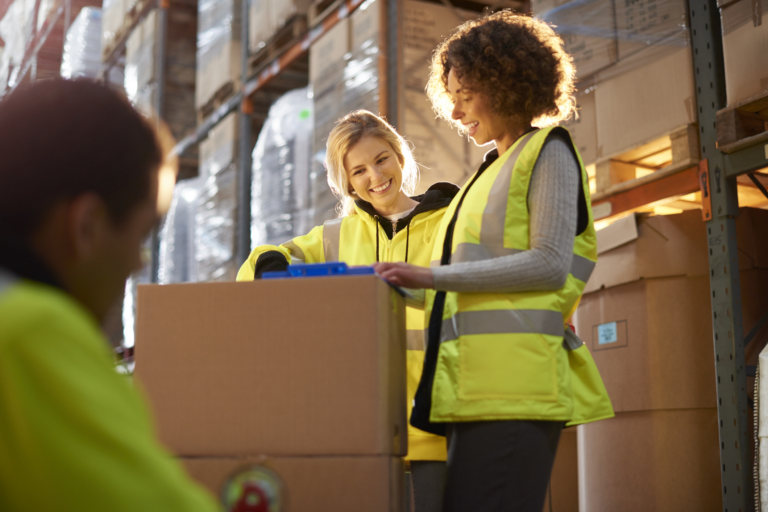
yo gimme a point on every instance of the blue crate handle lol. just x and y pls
(335, 268)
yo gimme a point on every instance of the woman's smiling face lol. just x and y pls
(473, 111)
(375, 175)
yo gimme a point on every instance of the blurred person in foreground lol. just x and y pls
(80, 174)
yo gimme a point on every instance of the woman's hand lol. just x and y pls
(405, 275)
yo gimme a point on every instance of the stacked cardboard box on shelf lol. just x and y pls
(265, 17)
(443, 154)
(327, 60)
(646, 318)
(141, 80)
(745, 50)
(634, 59)
(219, 59)
(234, 380)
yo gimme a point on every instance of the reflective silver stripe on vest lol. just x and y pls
(581, 268)
(495, 214)
(414, 339)
(297, 255)
(6, 280)
(332, 239)
(502, 321)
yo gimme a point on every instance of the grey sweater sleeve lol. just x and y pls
(552, 203)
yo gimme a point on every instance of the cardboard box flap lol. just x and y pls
(617, 234)
(666, 245)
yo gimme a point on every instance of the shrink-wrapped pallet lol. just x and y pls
(281, 161)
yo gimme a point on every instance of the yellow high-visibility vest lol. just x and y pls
(353, 240)
(502, 356)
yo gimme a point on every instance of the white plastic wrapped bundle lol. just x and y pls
(281, 162)
(177, 238)
(15, 29)
(82, 48)
(215, 228)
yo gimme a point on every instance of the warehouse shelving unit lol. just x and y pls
(59, 16)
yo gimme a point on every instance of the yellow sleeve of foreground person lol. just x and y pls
(74, 434)
(307, 248)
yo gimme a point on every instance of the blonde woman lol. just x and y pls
(372, 172)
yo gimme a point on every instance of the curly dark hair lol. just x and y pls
(516, 61)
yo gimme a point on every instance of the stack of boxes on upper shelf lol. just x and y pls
(635, 79)
(745, 49)
(646, 317)
(345, 68)
(175, 94)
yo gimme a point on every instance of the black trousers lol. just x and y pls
(499, 466)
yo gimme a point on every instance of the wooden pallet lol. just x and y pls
(221, 96)
(320, 9)
(743, 125)
(284, 38)
(672, 153)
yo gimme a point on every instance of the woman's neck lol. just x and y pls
(403, 204)
(513, 132)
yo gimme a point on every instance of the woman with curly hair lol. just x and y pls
(503, 373)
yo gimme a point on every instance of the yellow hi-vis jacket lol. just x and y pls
(74, 434)
(353, 240)
(502, 356)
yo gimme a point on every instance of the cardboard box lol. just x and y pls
(652, 342)
(317, 484)
(584, 129)
(745, 50)
(219, 59)
(644, 99)
(646, 313)
(588, 31)
(312, 366)
(652, 460)
(327, 51)
(564, 481)
(219, 149)
(644, 23)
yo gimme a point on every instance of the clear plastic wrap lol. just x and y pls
(611, 37)
(216, 205)
(281, 162)
(177, 237)
(327, 62)
(140, 63)
(82, 48)
(142, 276)
(215, 228)
(268, 16)
(15, 30)
(218, 46)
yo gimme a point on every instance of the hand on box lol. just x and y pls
(405, 275)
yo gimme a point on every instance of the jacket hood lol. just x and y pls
(436, 197)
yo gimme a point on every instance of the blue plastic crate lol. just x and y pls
(319, 270)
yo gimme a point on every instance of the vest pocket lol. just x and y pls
(508, 366)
